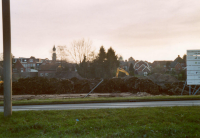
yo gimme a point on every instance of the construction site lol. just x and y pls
(128, 86)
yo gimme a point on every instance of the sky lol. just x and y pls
(143, 29)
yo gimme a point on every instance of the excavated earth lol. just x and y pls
(38, 88)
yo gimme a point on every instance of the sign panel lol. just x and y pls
(193, 82)
(193, 67)
(193, 62)
(193, 57)
(193, 52)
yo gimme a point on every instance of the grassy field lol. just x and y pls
(108, 99)
(106, 123)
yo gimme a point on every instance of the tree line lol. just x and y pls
(104, 65)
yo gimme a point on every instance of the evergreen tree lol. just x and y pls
(82, 68)
(112, 63)
(131, 70)
(101, 55)
(131, 67)
(100, 63)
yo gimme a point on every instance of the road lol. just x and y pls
(105, 105)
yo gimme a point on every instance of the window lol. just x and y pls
(33, 65)
(46, 74)
(31, 60)
(22, 70)
(41, 74)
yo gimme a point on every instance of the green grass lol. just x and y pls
(174, 122)
(108, 99)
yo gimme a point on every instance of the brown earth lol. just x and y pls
(155, 84)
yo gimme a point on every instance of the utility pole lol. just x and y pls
(7, 64)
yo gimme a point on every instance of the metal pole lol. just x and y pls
(194, 89)
(197, 91)
(94, 88)
(190, 90)
(184, 87)
(7, 64)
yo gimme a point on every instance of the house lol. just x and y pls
(173, 64)
(178, 67)
(141, 67)
(183, 66)
(35, 63)
(18, 67)
(161, 63)
(47, 70)
(124, 65)
(29, 63)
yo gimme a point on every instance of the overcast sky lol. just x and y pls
(144, 29)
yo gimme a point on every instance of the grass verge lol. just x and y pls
(107, 123)
(99, 100)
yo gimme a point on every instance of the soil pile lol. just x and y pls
(176, 88)
(162, 78)
(128, 84)
(40, 85)
(80, 86)
(112, 85)
(135, 84)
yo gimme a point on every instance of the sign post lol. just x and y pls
(193, 67)
(7, 64)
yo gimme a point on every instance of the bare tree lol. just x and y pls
(61, 52)
(79, 49)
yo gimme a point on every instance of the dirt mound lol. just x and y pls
(82, 86)
(112, 85)
(128, 84)
(162, 78)
(176, 88)
(74, 79)
(135, 84)
(39, 85)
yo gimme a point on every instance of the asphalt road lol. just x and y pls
(104, 105)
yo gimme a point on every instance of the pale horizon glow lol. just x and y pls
(145, 30)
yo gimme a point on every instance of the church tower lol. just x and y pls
(54, 54)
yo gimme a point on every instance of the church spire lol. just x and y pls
(54, 53)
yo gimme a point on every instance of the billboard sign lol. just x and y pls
(193, 67)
